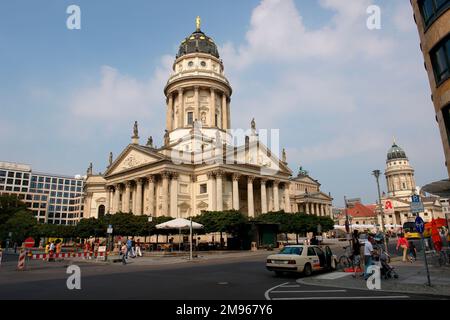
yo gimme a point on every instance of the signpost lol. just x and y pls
(420, 227)
(109, 231)
(416, 204)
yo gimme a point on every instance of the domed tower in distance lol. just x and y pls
(399, 173)
(197, 90)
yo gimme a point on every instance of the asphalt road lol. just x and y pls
(236, 279)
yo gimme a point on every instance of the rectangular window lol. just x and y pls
(41, 179)
(18, 175)
(446, 117)
(2, 173)
(10, 174)
(440, 59)
(432, 9)
(47, 180)
(25, 182)
(10, 181)
(190, 118)
(203, 188)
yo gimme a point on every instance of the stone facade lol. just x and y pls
(432, 32)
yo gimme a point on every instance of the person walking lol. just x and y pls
(137, 248)
(124, 253)
(402, 243)
(412, 252)
(356, 250)
(368, 252)
(133, 246)
(129, 246)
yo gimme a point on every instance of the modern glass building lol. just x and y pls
(55, 199)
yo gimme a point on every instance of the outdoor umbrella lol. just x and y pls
(181, 224)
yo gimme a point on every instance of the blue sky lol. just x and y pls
(338, 91)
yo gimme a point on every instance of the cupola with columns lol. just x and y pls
(197, 89)
(399, 173)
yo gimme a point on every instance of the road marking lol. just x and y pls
(342, 298)
(291, 286)
(266, 294)
(334, 275)
(308, 291)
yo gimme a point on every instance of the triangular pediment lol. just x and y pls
(133, 156)
(306, 179)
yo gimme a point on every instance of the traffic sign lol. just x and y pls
(420, 224)
(416, 206)
(415, 198)
(109, 230)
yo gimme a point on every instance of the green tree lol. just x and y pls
(222, 221)
(9, 205)
(21, 225)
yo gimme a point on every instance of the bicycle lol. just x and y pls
(347, 260)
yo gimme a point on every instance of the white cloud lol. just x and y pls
(117, 95)
(277, 32)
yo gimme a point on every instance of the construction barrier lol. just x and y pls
(21, 263)
(44, 256)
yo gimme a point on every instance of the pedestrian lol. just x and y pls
(368, 252)
(124, 253)
(129, 246)
(412, 252)
(314, 241)
(133, 246)
(138, 248)
(356, 249)
(402, 243)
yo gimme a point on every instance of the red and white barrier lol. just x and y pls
(65, 255)
(21, 263)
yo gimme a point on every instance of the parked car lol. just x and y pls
(301, 258)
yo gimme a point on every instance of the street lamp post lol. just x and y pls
(376, 173)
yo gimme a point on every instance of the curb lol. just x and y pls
(301, 281)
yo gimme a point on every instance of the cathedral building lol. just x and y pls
(203, 164)
(401, 185)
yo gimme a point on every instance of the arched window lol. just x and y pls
(101, 211)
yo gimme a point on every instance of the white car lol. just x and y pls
(301, 258)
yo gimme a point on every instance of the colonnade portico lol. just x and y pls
(316, 208)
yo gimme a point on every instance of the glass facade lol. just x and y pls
(35, 189)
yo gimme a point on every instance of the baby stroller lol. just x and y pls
(387, 272)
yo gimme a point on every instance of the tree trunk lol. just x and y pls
(296, 237)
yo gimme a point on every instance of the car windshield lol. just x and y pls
(292, 250)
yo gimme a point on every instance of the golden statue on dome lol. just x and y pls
(198, 22)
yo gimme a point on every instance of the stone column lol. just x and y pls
(210, 186)
(165, 194)
(117, 198)
(196, 103)
(219, 192)
(174, 196)
(306, 207)
(212, 108)
(228, 115)
(151, 195)
(276, 200)
(169, 116)
(108, 199)
(251, 207)
(224, 111)
(236, 191)
(126, 197)
(181, 115)
(138, 197)
(263, 196)
(287, 201)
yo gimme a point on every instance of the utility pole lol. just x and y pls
(377, 173)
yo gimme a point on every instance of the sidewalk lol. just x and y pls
(412, 279)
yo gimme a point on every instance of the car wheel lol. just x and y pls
(307, 270)
(278, 273)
